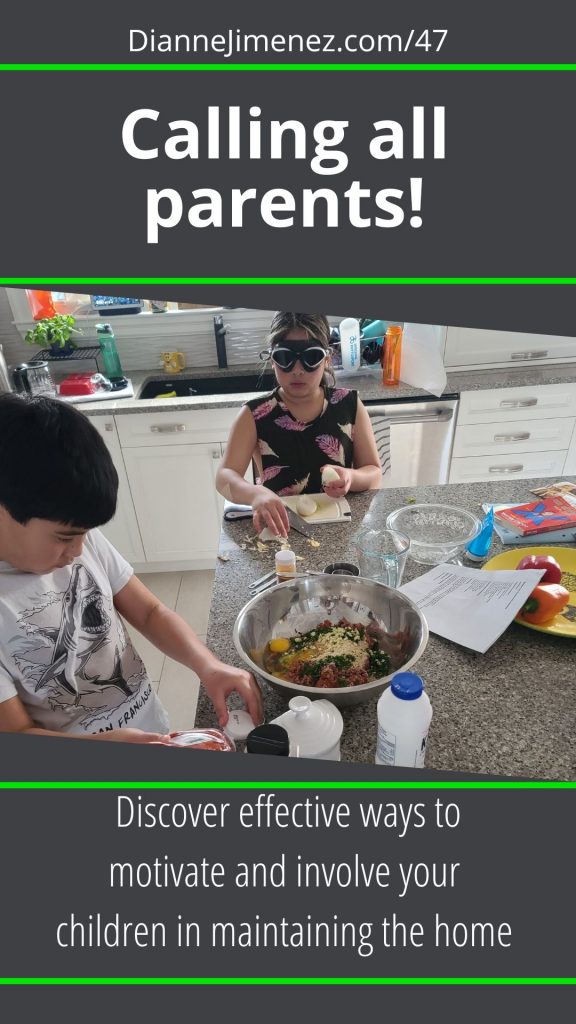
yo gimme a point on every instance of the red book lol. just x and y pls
(539, 516)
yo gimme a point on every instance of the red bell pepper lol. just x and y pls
(545, 601)
(553, 572)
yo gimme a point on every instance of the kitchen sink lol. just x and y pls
(188, 387)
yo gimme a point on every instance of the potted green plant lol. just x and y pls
(54, 332)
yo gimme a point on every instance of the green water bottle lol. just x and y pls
(110, 357)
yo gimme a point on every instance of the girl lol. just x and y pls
(303, 426)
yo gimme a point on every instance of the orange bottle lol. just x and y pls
(41, 304)
(391, 356)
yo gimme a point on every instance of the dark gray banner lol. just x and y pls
(272, 882)
(416, 31)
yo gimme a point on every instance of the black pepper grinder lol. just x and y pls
(268, 739)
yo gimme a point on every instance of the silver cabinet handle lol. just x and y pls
(442, 416)
(168, 428)
(506, 469)
(109, 427)
(512, 437)
(518, 403)
(541, 354)
(216, 455)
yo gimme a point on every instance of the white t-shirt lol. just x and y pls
(64, 650)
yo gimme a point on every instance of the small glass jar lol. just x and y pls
(203, 739)
(285, 565)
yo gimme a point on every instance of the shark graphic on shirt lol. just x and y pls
(70, 638)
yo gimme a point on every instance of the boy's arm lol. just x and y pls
(174, 637)
(15, 718)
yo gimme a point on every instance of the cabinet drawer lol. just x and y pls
(503, 438)
(137, 430)
(468, 346)
(519, 466)
(507, 405)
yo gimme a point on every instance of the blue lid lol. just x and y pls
(407, 686)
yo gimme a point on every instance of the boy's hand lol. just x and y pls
(224, 679)
(269, 510)
(338, 488)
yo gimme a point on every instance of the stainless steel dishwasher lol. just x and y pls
(414, 439)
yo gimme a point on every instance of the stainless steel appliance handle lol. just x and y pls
(441, 416)
(168, 428)
(518, 403)
(512, 437)
(506, 469)
(541, 354)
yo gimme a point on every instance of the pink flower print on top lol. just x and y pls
(265, 409)
(296, 488)
(331, 447)
(265, 449)
(271, 471)
(287, 423)
(338, 394)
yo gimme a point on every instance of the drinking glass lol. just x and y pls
(382, 555)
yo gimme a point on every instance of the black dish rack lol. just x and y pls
(46, 355)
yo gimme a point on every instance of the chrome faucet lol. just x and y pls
(220, 335)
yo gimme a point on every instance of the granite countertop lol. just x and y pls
(511, 711)
(366, 381)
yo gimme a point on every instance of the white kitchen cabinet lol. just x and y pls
(171, 460)
(520, 466)
(122, 531)
(511, 405)
(468, 347)
(506, 438)
(180, 427)
(514, 432)
(178, 509)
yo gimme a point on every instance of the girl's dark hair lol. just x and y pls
(54, 464)
(316, 326)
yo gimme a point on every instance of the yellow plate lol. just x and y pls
(563, 624)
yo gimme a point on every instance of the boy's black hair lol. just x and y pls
(54, 464)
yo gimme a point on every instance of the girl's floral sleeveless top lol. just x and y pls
(293, 452)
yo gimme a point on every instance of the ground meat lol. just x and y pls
(351, 658)
(357, 676)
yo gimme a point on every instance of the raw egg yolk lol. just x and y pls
(280, 645)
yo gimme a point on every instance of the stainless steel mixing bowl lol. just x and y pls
(299, 605)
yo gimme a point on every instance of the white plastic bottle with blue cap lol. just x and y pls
(404, 716)
(350, 343)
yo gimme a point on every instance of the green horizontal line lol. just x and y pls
(287, 981)
(10, 281)
(285, 784)
(287, 67)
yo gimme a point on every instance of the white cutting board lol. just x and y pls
(101, 396)
(330, 510)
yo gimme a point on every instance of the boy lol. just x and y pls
(67, 666)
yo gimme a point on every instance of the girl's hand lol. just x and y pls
(338, 488)
(269, 510)
(223, 679)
